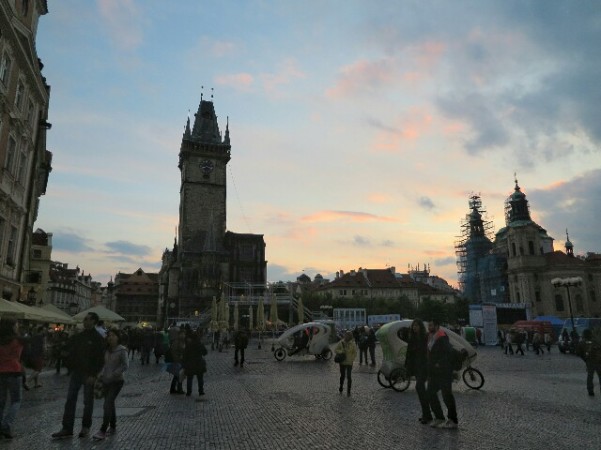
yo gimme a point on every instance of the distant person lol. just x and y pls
(363, 344)
(547, 341)
(347, 347)
(86, 358)
(590, 351)
(371, 345)
(37, 355)
(116, 363)
(508, 343)
(11, 372)
(520, 338)
(194, 363)
(174, 357)
(440, 377)
(240, 344)
(537, 343)
(416, 363)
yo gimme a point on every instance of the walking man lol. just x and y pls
(240, 343)
(85, 360)
(590, 352)
(440, 377)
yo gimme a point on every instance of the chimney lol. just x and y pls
(341, 272)
(352, 272)
(337, 275)
(393, 270)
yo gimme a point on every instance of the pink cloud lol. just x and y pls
(240, 81)
(352, 216)
(407, 129)
(287, 72)
(361, 76)
(377, 197)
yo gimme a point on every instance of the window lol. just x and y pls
(21, 168)
(10, 154)
(342, 292)
(593, 296)
(537, 296)
(30, 113)
(12, 244)
(513, 252)
(2, 222)
(579, 303)
(19, 95)
(531, 247)
(559, 303)
(37, 254)
(5, 64)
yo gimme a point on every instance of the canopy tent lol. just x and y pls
(58, 312)
(103, 314)
(21, 311)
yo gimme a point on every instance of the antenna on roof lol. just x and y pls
(212, 93)
(201, 92)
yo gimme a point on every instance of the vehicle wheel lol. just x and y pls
(398, 380)
(279, 354)
(473, 378)
(326, 354)
(384, 382)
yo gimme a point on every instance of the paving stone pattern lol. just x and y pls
(529, 402)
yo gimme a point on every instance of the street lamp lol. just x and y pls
(567, 283)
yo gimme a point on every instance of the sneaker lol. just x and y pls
(436, 423)
(84, 432)
(99, 436)
(111, 431)
(449, 425)
(62, 434)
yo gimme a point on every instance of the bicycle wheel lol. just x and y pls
(279, 354)
(399, 381)
(384, 382)
(473, 378)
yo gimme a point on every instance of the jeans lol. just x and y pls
(442, 382)
(590, 374)
(76, 381)
(111, 390)
(372, 354)
(9, 385)
(362, 355)
(199, 380)
(345, 372)
(241, 350)
(422, 395)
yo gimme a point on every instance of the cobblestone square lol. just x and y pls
(529, 402)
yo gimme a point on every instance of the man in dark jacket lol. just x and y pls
(590, 352)
(440, 376)
(85, 360)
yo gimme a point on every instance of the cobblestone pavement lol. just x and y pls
(527, 402)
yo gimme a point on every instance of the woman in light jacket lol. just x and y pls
(115, 363)
(349, 348)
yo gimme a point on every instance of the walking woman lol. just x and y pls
(11, 372)
(115, 363)
(416, 364)
(347, 347)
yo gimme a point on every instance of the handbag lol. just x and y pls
(340, 357)
(98, 388)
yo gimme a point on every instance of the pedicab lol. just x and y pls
(393, 338)
(312, 338)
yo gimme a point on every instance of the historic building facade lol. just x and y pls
(206, 255)
(24, 161)
(532, 263)
(136, 296)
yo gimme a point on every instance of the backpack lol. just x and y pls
(456, 358)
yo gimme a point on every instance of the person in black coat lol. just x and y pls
(416, 364)
(85, 358)
(440, 376)
(193, 362)
(371, 345)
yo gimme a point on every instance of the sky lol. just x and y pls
(359, 129)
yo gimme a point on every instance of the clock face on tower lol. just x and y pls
(207, 167)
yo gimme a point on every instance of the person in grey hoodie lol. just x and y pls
(115, 363)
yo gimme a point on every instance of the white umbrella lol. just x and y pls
(236, 314)
(260, 320)
(103, 314)
(301, 311)
(273, 316)
(251, 319)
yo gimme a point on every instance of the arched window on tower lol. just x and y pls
(531, 247)
(513, 252)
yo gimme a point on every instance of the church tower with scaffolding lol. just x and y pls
(205, 256)
(480, 268)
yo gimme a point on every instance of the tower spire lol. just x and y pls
(226, 139)
(569, 246)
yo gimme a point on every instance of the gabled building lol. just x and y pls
(24, 161)
(37, 277)
(137, 297)
(69, 289)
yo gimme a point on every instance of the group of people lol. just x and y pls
(185, 359)
(365, 338)
(428, 359)
(538, 341)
